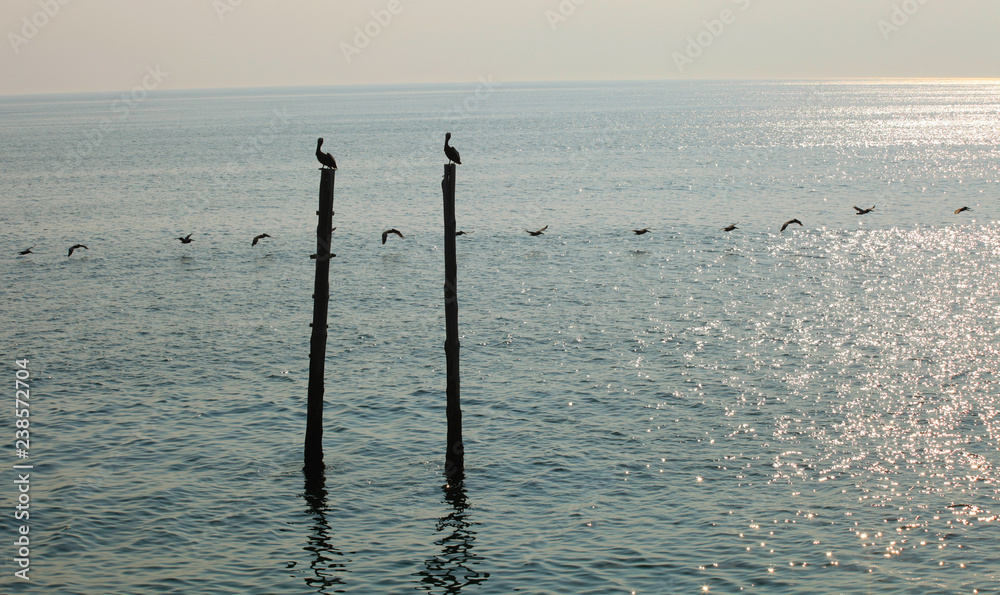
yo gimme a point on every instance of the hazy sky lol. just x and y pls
(111, 45)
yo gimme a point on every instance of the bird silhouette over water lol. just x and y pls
(258, 238)
(730, 227)
(27, 251)
(451, 152)
(74, 247)
(462, 233)
(787, 223)
(864, 211)
(385, 234)
(325, 158)
(537, 233)
(957, 211)
(186, 239)
(639, 232)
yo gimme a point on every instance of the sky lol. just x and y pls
(58, 46)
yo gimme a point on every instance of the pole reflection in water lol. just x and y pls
(453, 569)
(328, 563)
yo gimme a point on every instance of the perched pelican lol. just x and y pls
(258, 238)
(451, 152)
(74, 247)
(730, 227)
(537, 233)
(325, 158)
(462, 233)
(27, 251)
(957, 211)
(385, 234)
(864, 211)
(186, 239)
(787, 223)
(639, 232)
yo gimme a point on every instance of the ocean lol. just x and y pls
(685, 411)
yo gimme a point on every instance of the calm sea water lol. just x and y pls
(689, 410)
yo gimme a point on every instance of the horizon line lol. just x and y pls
(863, 79)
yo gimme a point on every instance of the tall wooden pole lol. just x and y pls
(455, 457)
(317, 345)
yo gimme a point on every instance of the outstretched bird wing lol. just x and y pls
(789, 222)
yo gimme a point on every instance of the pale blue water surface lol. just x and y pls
(690, 410)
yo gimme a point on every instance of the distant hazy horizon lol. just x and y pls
(502, 84)
(66, 46)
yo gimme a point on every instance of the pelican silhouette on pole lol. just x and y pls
(451, 152)
(325, 158)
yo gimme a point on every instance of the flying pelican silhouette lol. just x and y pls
(325, 158)
(385, 234)
(730, 227)
(186, 239)
(639, 232)
(787, 223)
(27, 251)
(537, 233)
(957, 211)
(258, 238)
(451, 152)
(462, 233)
(74, 247)
(864, 211)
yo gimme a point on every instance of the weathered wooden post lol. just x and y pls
(454, 463)
(317, 345)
